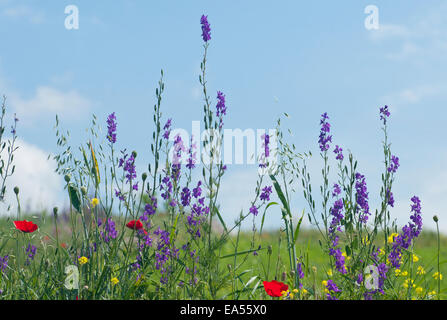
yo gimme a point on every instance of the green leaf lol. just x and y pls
(265, 210)
(297, 230)
(74, 197)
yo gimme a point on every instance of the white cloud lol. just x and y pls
(413, 95)
(424, 37)
(25, 12)
(48, 100)
(40, 187)
(388, 31)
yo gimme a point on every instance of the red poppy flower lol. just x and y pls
(26, 226)
(274, 288)
(137, 225)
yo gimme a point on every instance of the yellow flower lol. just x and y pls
(391, 237)
(346, 256)
(115, 280)
(291, 295)
(329, 272)
(94, 202)
(415, 258)
(83, 260)
(420, 271)
(419, 290)
(409, 282)
(324, 283)
(365, 240)
(432, 293)
(397, 272)
(381, 252)
(437, 275)
(304, 291)
(295, 290)
(404, 273)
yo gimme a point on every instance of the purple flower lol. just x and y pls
(384, 114)
(324, 138)
(4, 263)
(221, 109)
(167, 129)
(254, 210)
(109, 231)
(191, 163)
(394, 165)
(337, 190)
(300, 270)
(265, 195)
(339, 152)
(186, 197)
(30, 252)
(266, 153)
(362, 198)
(332, 287)
(390, 197)
(409, 233)
(206, 30)
(111, 128)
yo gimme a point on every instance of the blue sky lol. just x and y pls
(303, 58)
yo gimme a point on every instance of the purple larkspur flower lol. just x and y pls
(206, 30)
(254, 210)
(324, 138)
(300, 270)
(337, 190)
(332, 287)
(390, 197)
(4, 263)
(221, 108)
(384, 114)
(111, 127)
(167, 129)
(192, 159)
(109, 232)
(266, 150)
(394, 165)
(265, 195)
(362, 198)
(339, 152)
(30, 253)
(408, 234)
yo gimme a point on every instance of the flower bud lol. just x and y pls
(83, 190)
(55, 211)
(435, 218)
(16, 190)
(134, 154)
(144, 176)
(283, 276)
(269, 249)
(67, 178)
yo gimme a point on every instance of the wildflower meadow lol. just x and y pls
(161, 234)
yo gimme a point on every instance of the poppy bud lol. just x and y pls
(55, 211)
(269, 249)
(134, 154)
(229, 267)
(435, 218)
(144, 176)
(283, 276)
(67, 178)
(84, 190)
(16, 190)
